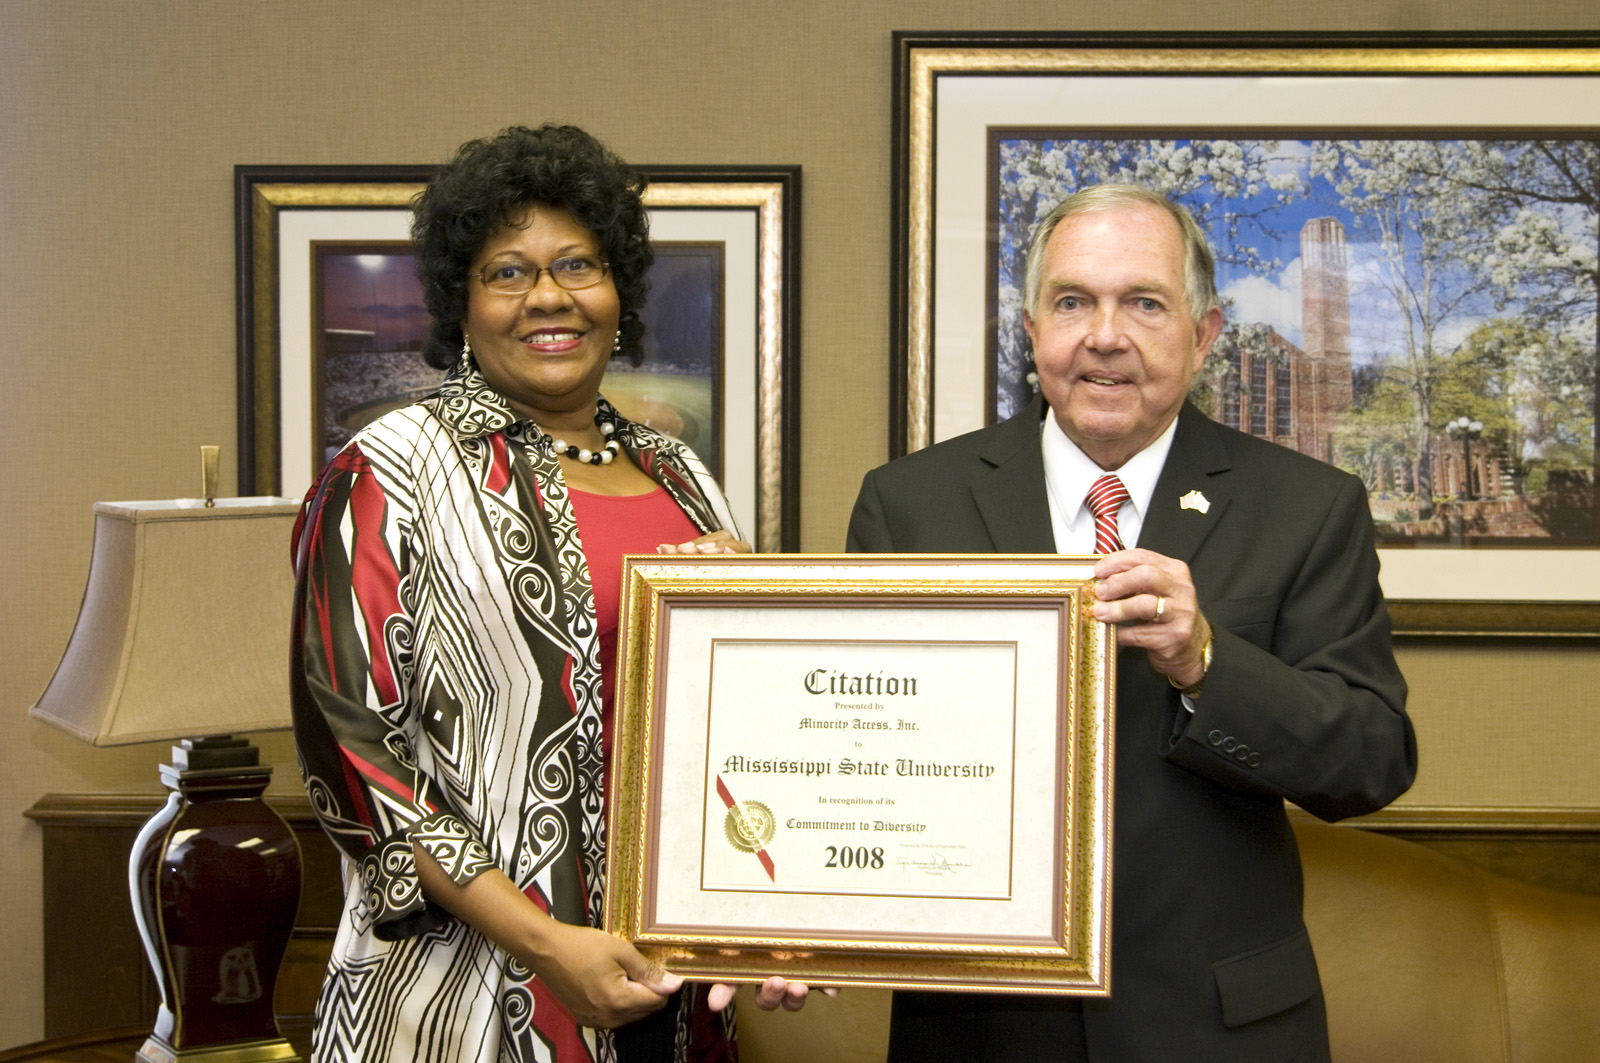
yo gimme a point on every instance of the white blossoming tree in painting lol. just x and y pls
(1472, 283)
(1221, 181)
(1486, 252)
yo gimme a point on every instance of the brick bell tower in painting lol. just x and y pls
(1325, 385)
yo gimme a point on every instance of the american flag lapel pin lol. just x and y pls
(1196, 501)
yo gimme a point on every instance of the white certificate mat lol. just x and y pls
(866, 769)
(872, 778)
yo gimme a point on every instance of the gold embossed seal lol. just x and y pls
(750, 826)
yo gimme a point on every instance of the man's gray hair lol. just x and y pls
(1199, 267)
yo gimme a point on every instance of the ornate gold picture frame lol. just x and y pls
(750, 215)
(886, 770)
(952, 89)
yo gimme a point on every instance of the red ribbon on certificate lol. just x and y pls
(761, 853)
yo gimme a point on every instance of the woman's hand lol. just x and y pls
(769, 995)
(720, 541)
(602, 980)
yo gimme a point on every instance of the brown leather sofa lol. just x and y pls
(1428, 958)
(1424, 959)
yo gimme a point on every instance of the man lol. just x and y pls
(1254, 659)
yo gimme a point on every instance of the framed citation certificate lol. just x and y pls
(865, 769)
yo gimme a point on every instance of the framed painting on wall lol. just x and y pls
(331, 324)
(1406, 234)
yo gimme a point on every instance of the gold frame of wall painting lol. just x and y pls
(740, 785)
(753, 210)
(1545, 79)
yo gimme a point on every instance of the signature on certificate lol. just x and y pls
(933, 864)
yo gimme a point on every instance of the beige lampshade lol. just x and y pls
(184, 628)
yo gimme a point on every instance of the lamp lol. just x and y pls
(183, 633)
(1467, 430)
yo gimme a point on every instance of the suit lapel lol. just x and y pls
(1193, 491)
(1011, 498)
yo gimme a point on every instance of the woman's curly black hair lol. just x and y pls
(490, 182)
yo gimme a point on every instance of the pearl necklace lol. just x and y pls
(590, 457)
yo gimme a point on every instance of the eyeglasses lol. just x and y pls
(510, 276)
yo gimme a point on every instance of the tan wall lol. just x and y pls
(121, 125)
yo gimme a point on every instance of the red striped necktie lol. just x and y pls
(1104, 499)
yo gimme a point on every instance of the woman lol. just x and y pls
(457, 583)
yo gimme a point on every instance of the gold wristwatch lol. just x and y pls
(1193, 689)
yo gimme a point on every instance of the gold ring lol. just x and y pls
(1161, 607)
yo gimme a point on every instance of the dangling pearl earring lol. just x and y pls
(466, 350)
(616, 344)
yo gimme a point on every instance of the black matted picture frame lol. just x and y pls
(730, 237)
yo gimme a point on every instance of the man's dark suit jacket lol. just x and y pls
(1209, 958)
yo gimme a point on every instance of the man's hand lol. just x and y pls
(1152, 601)
(720, 541)
(770, 994)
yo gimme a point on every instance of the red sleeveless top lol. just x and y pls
(610, 526)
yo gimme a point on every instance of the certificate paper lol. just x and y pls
(871, 779)
(864, 769)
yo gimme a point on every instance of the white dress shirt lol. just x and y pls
(1069, 473)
